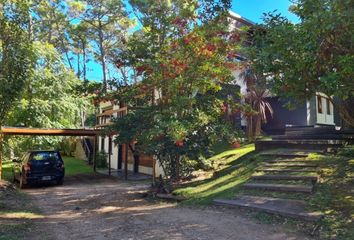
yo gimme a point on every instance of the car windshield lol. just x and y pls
(45, 156)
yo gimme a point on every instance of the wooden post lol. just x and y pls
(1, 153)
(153, 171)
(126, 163)
(109, 155)
(94, 154)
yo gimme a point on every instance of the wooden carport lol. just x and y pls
(47, 132)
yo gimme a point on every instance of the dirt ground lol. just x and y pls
(111, 209)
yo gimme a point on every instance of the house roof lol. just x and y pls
(241, 19)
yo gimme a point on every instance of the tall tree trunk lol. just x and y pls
(249, 128)
(1, 153)
(78, 74)
(30, 27)
(257, 127)
(66, 54)
(102, 56)
(84, 60)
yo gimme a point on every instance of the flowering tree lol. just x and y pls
(181, 58)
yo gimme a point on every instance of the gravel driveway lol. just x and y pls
(111, 209)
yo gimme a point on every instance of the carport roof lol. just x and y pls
(48, 132)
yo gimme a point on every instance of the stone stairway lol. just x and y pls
(283, 173)
(308, 137)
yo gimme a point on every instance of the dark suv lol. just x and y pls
(39, 166)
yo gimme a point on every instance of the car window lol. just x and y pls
(41, 156)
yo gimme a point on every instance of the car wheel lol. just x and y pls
(60, 181)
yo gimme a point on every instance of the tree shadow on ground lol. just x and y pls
(224, 183)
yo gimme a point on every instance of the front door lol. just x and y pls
(324, 109)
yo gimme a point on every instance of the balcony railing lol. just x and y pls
(105, 118)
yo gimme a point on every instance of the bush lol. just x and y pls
(347, 151)
(101, 159)
(68, 146)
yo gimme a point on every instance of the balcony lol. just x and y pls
(105, 119)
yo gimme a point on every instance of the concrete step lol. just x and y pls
(314, 136)
(285, 177)
(285, 164)
(310, 130)
(284, 207)
(280, 187)
(287, 161)
(284, 155)
(318, 144)
(285, 170)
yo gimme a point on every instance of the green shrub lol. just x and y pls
(101, 159)
(347, 151)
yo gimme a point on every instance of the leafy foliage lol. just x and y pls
(106, 24)
(101, 159)
(180, 60)
(16, 54)
(48, 100)
(35, 80)
(314, 55)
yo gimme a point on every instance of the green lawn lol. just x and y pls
(73, 166)
(7, 171)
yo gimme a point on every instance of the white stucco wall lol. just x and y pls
(238, 80)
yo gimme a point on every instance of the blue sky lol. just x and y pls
(250, 9)
(254, 9)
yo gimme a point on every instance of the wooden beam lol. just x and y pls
(1, 154)
(111, 112)
(126, 163)
(49, 132)
(94, 153)
(153, 171)
(109, 155)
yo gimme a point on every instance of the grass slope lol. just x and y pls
(233, 167)
(334, 192)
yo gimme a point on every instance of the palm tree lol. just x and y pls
(256, 97)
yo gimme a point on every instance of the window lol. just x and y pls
(40, 156)
(44, 156)
(319, 104)
(328, 105)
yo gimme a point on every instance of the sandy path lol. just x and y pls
(108, 209)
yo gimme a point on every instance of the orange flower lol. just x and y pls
(179, 143)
